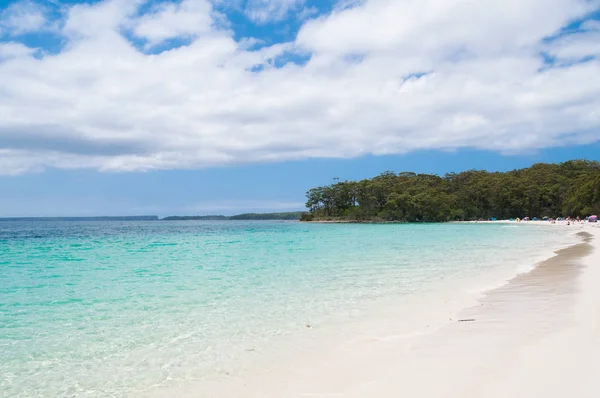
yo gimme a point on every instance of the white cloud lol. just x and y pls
(263, 11)
(574, 47)
(436, 28)
(101, 21)
(23, 17)
(14, 50)
(101, 103)
(188, 19)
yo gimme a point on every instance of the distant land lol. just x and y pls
(294, 215)
(188, 218)
(102, 218)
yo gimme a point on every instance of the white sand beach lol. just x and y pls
(536, 336)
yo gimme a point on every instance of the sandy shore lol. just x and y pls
(537, 336)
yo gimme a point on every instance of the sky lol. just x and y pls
(115, 107)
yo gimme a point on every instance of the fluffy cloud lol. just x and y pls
(574, 47)
(187, 19)
(13, 50)
(24, 17)
(383, 77)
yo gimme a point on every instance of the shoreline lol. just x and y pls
(505, 319)
(528, 222)
(517, 336)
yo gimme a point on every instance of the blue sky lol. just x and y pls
(235, 189)
(116, 107)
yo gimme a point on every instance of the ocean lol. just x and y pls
(122, 308)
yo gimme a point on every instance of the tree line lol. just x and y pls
(571, 188)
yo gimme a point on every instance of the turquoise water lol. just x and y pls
(116, 308)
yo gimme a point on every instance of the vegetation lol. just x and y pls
(568, 189)
(294, 215)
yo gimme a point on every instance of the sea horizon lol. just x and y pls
(148, 217)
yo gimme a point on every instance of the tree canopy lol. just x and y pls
(567, 189)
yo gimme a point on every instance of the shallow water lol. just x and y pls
(113, 308)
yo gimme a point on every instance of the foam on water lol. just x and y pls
(118, 308)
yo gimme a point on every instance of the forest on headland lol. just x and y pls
(571, 189)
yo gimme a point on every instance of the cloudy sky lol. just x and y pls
(196, 106)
